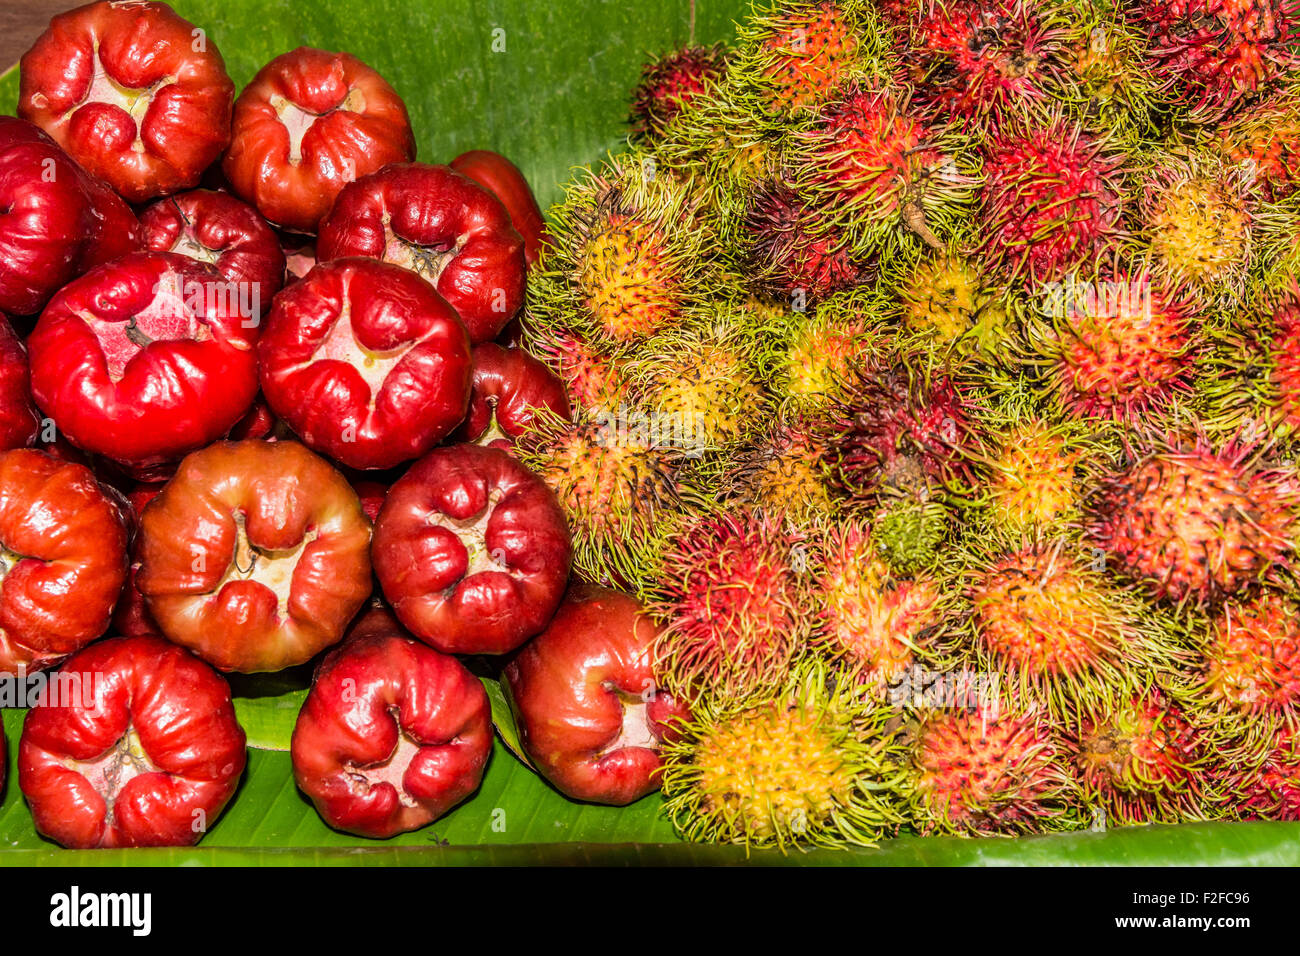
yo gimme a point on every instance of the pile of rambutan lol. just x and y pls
(936, 379)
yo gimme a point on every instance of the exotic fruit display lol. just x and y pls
(392, 735)
(256, 555)
(57, 591)
(591, 716)
(472, 550)
(138, 96)
(145, 359)
(309, 123)
(144, 751)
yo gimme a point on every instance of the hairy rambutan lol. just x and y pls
(911, 528)
(1250, 661)
(1265, 137)
(1143, 760)
(728, 588)
(1112, 86)
(802, 51)
(1198, 218)
(592, 378)
(1270, 790)
(873, 625)
(948, 301)
(1122, 345)
(669, 83)
(1032, 479)
(1195, 525)
(985, 62)
(784, 474)
(991, 771)
(816, 766)
(1051, 201)
(794, 251)
(881, 171)
(1216, 53)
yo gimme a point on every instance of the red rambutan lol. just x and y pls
(669, 83)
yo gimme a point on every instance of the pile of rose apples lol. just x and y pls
(257, 401)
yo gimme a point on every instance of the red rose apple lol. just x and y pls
(590, 715)
(256, 555)
(503, 179)
(139, 746)
(392, 735)
(132, 617)
(366, 363)
(145, 359)
(135, 94)
(309, 123)
(63, 559)
(509, 388)
(18, 419)
(472, 550)
(441, 225)
(55, 220)
(216, 227)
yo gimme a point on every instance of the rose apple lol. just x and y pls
(144, 359)
(132, 617)
(392, 735)
(136, 94)
(63, 561)
(56, 221)
(441, 225)
(509, 388)
(18, 419)
(309, 123)
(372, 495)
(139, 746)
(260, 422)
(472, 550)
(299, 256)
(583, 692)
(503, 179)
(256, 555)
(366, 363)
(216, 227)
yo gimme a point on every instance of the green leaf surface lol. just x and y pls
(503, 719)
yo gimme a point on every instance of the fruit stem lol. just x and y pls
(914, 217)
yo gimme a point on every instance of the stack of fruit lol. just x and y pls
(935, 387)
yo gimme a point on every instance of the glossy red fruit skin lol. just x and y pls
(488, 586)
(179, 712)
(144, 406)
(571, 688)
(380, 696)
(503, 179)
(19, 422)
(64, 545)
(131, 617)
(237, 522)
(509, 388)
(179, 129)
(415, 214)
(216, 227)
(293, 184)
(57, 220)
(372, 495)
(318, 338)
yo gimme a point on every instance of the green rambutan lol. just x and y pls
(883, 173)
(1195, 525)
(911, 528)
(728, 587)
(815, 766)
(873, 625)
(1113, 89)
(1051, 201)
(1143, 760)
(950, 303)
(990, 770)
(670, 83)
(986, 62)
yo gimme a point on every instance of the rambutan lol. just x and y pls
(1112, 86)
(1043, 615)
(1195, 525)
(728, 588)
(802, 51)
(1217, 53)
(985, 62)
(670, 83)
(1250, 661)
(1270, 790)
(816, 766)
(883, 173)
(1265, 137)
(948, 301)
(1143, 760)
(1122, 346)
(1051, 201)
(1198, 218)
(901, 428)
(592, 378)
(793, 249)
(784, 474)
(873, 625)
(911, 528)
(991, 771)
(1032, 479)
